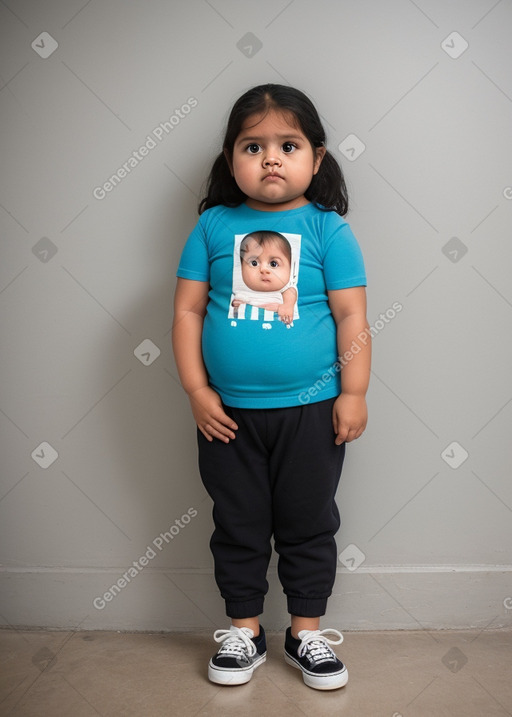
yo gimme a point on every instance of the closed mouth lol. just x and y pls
(272, 175)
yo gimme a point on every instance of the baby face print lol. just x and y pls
(265, 276)
(265, 268)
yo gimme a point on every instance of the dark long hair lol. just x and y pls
(327, 189)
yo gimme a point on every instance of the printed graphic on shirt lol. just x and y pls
(265, 275)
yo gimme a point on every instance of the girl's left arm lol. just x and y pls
(350, 414)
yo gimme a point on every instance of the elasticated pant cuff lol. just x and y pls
(307, 607)
(243, 609)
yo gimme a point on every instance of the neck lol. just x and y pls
(278, 207)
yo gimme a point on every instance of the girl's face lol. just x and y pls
(273, 162)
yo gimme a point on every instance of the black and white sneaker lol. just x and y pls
(320, 667)
(241, 653)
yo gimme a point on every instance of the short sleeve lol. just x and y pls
(194, 262)
(343, 260)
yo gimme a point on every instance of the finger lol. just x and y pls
(205, 433)
(360, 432)
(213, 432)
(353, 434)
(223, 430)
(229, 423)
(341, 437)
(223, 421)
(220, 430)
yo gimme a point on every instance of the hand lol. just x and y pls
(349, 417)
(211, 419)
(285, 314)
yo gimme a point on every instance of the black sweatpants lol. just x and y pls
(277, 477)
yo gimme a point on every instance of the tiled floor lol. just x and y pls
(392, 674)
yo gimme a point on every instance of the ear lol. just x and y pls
(319, 155)
(228, 160)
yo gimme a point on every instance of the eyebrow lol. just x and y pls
(250, 138)
(271, 258)
(277, 257)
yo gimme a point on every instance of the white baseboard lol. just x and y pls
(369, 598)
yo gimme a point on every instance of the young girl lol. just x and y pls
(266, 394)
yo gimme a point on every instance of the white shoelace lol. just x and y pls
(236, 641)
(315, 645)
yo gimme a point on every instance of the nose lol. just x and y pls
(271, 162)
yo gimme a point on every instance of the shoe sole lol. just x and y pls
(233, 677)
(317, 682)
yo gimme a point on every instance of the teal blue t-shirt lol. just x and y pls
(271, 342)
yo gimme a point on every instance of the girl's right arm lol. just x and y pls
(190, 302)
